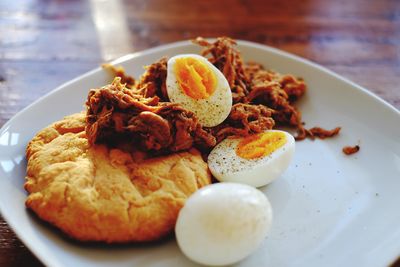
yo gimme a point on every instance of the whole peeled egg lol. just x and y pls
(223, 223)
(255, 160)
(200, 87)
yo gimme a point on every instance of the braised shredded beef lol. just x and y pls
(228, 60)
(244, 119)
(348, 150)
(141, 111)
(318, 132)
(115, 111)
(293, 87)
(277, 91)
(118, 71)
(152, 83)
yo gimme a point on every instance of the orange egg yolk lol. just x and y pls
(195, 78)
(260, 145)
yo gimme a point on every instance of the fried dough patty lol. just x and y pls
(94, 193)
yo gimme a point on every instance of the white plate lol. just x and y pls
(330, 209)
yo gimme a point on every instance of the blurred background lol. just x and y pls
(44, 43)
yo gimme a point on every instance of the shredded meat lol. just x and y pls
(119, 71)
(278, 92)
(348, 150)
(229, 61)
(292, 86)
(267, 89)
(252, 84)
(301, 133)
(245, 119)
(141, 111)
(318, 132)
(153, 81)
(115, 112)
(271, 95)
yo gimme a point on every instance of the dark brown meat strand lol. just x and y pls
(318, 132)
(349, 150)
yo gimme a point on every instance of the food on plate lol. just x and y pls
(262, 99)
(100, 193)
(200, 87)
(223, 223)
(255, 160)
(349, 150)
(318, 132)
(123, 170)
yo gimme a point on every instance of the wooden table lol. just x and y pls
(45, 43)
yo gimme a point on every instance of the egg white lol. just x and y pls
(210, 111)
(226, 166)
(223, 223)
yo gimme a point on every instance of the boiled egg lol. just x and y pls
(223, 223)
(200, 87)
(255, 160)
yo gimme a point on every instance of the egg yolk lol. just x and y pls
(260, 145)
(195, 78)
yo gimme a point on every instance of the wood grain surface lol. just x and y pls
(44, 43)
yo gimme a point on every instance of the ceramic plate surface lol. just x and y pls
(329, 209)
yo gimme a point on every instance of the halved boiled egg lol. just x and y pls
(255, 160)
(200, 87)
